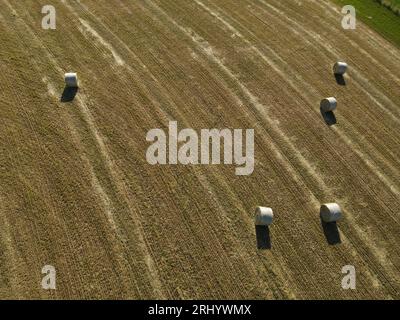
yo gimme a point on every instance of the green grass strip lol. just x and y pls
(381, 15)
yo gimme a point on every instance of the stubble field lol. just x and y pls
(76, 191)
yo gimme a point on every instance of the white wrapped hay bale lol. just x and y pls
(71, 80)
(330, 212)
(340, 68)
(328, 104)
(264, 216)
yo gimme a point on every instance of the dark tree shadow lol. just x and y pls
(340, 80)
(69, 94)
(331, 232)
(263, 237)
(329, 117)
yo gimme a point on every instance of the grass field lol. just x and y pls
(382, 15)
(393, 5)
(76, 191)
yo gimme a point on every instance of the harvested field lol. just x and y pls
(393, 5)
(380, 15)
(76, 191)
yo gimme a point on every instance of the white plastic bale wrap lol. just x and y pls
(328, 104)
(264, 216)
(340, 67)
(71, 80)
(330, 212)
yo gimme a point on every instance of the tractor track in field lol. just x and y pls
(118, 227)
(204, 181)
(102, 147)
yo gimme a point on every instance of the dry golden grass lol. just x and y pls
(76, 191)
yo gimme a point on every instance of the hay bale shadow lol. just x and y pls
(329, 117)
(263, 238)
(69, 94)
(331, 232)
(340, 80)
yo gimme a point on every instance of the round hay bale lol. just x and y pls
(330, 212)
(264, 216)
(340, 68)
(71, 80)
(328, 104)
